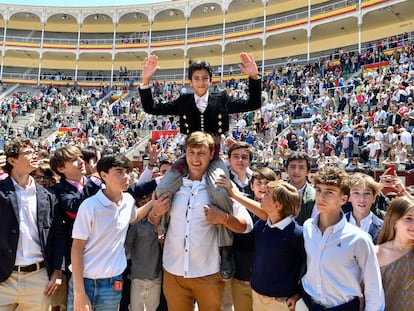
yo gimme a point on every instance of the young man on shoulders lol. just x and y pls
(209, 112)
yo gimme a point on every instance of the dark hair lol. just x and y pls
(12, 150)
(241, 145)
(89, 153)
(113, 160)
(164, 162)
(299, 155)
(200, 65)
(263, 173)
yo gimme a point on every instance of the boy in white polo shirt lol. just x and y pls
(99, 232)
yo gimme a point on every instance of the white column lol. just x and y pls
(309, 31)
(150, 35)
(265, 2)
(3, 48)
(113, 55)
(77, 52)
(41, 54)
(359, 27)
(185, 48)
(223, 45)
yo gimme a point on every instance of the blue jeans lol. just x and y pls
(100, 292)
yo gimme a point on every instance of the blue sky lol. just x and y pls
(83, 3)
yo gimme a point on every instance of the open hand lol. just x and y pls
(248, 65)
(154, 152)
(149, 68)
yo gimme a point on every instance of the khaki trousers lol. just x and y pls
(242, 296)
(24, 291)
(181, 292)
(265, 303)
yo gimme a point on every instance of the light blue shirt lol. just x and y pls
(337, 262)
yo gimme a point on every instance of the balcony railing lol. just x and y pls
(192, 35)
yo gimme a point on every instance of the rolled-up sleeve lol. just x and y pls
(241, 212)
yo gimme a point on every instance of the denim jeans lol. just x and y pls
(100, 292)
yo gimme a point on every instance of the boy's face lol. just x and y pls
(42, 179)
(259, 188)
(239, 160)
(329, 198)
(297, 171)
(117, 179)
(267, 203)
(73, 169)
(361, 198)
(165, 168)
(198, 159)
(200, 82)
(90, 166)
(26, 161)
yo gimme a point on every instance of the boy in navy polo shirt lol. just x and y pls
(279, 256)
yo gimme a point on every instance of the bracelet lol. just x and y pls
(153, 214)
(227, 219)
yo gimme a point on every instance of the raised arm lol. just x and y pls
(149, 68)
(142, 211)
(252, 205)
(248, 65)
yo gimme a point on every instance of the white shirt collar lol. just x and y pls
(281, 224)
(365, 223)
(201, 102)
(204, 98)
(31, 187)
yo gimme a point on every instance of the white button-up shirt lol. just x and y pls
(29, 250)
(365, 223)
(201, 102)
(191, 246)
(337, 262)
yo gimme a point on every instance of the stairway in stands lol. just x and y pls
(23, 120)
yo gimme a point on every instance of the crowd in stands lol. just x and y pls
(311, 119)
(333, 116)
(332, 120)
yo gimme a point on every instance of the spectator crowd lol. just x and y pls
(324, 128)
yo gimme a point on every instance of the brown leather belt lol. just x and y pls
(30, 268)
